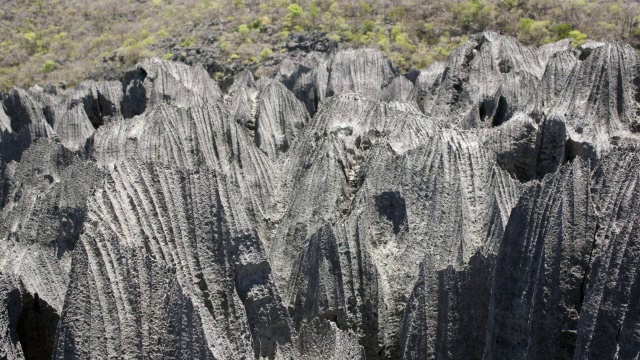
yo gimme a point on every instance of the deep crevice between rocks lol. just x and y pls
(97, 108)
(134, 101)
(37, 327)
(486, 108)
(585, 276)
(502, 112)
(392, 205)
(635, 125)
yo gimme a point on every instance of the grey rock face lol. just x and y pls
(564, 285)
(44, 211)
(217, 273)
(280, 117)
(10, 347)
(364, 72)
(541, 268)
(595, 120)
(484, 207)
(398, 90)
(482, 83)
(299, 79)
(611, 291)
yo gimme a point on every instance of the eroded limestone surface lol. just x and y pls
(487, 206)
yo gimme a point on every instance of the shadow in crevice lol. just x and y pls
(37, 327)
(447, 311)
(502, 112)
(135, 95)
(392, 205)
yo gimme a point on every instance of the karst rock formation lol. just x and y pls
(487, 207)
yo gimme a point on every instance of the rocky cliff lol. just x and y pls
(485, 207)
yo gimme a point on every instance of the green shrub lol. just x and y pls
(264, 9)
(133, 54)
(578, 37)
(256, 25)
(243, 29)
(509, 4)
(606, 26)
(333, 37)
(368, 26)
(562, 30)
(365, 8)
(294, 16)
(525, 23)
(49, 66)
(422, 57)
(398, 13)
(6, 79)
(187, 41)
(239, 4)
(60, 36)
(396, 30)
(346, 35)
(399, 60)
(168, 56)
(383, 43)
(403, 41)
(534, 32)
(151, 40)
(128, 42)
(466, 13)
(295, 10)
(334, 9)
(314, 14)
(282, 35)
(224, 45)
(361, 39)
(266, 53)
(31, 36)
(162, 33)
(428, 33)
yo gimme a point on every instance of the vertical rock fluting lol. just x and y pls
(364, 72)
(541, 267)
(566, 272)
(185, 224)
(449, 212)
(74, 128)
(43, 217)
(445, 316)
(609, 320)
(481, 84)
(483, 207)
(597, 107)
(300, 80)
(280, 117)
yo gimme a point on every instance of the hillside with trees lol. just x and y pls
(55, 41)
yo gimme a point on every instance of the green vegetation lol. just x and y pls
(266, 53)
(188, 41)
(49, 66)
(55, 40)
(578, 37)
